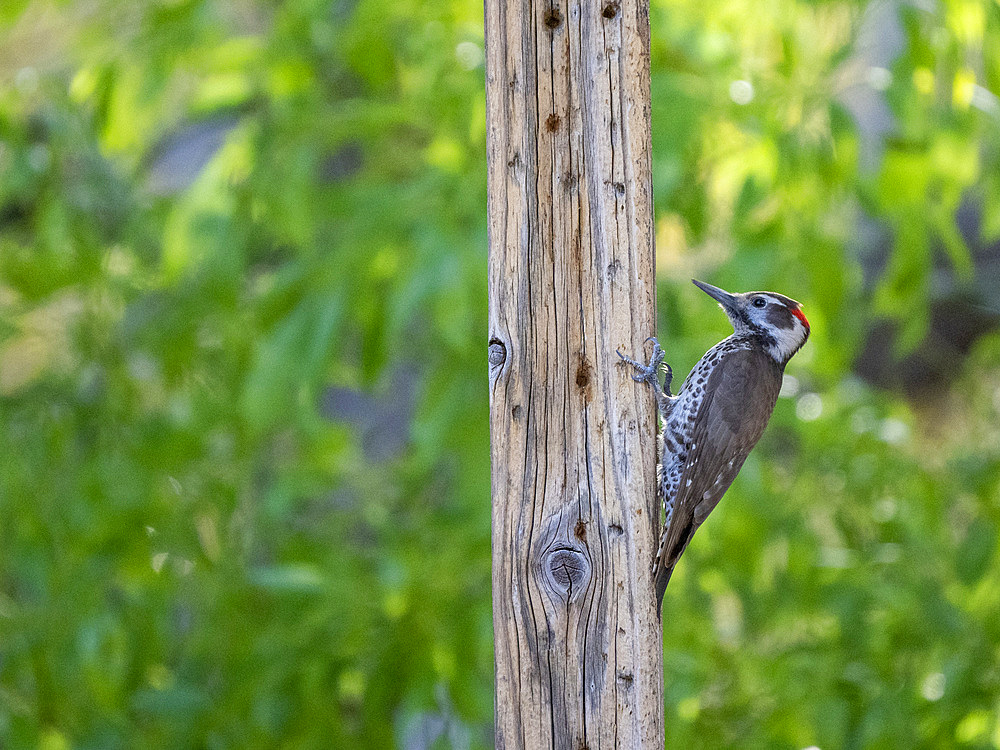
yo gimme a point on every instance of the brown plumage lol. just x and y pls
(710, 427)
(739, 398)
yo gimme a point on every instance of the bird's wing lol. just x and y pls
(739, 399)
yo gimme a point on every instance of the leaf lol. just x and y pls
(292, 356)
(976, 551)
(943, 221)
(291, 578)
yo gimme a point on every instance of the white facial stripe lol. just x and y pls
(787, 340)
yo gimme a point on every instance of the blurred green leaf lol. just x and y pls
(976, 551)
(301, 578)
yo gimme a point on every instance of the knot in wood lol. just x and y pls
(553, 18)
(567, 571)
(497, 353)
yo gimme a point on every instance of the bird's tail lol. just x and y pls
(661, 577)
(673, 542)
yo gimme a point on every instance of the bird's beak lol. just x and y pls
(724, 298)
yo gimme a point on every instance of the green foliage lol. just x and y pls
(244, 478)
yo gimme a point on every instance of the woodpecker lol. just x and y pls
(710, 426)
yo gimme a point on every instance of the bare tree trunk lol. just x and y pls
(571, 277)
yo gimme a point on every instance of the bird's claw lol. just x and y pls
(650, 374)
(647, 373)
(667, 378)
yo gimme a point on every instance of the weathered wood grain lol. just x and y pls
(571, 277)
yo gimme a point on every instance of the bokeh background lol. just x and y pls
(244, 471)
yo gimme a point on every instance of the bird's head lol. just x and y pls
(777, 321)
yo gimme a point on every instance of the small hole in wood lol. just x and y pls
(553, 18)
(552, 122)
(610, 10)
(580, 531)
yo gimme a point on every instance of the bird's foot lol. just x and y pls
(648, 373)
(667, 379)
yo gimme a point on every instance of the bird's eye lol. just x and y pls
(759, 302)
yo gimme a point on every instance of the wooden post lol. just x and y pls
(571, 277)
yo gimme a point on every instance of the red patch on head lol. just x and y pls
(797, 312)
